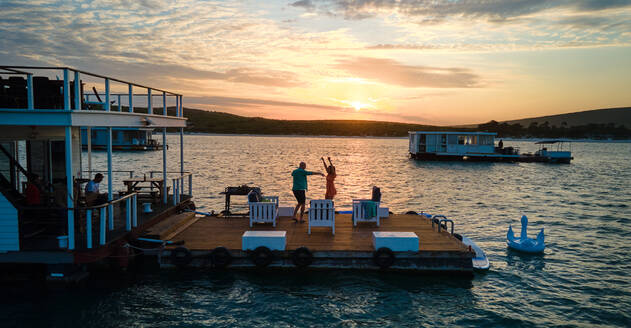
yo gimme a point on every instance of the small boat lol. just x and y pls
(480, 261)
(523, 243)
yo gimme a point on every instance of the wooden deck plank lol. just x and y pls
(211, 232)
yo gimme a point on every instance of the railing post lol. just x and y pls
(128, 214)
(77, 91)
(88, 227)
(120, 108)
(134, 210)
(149, 108)
(29, 91)
(181, 108)
(190, 185)
(174, 191)
(131, 98)
(164, 165)
(164, 103)
(177, 105)
(69, 186)
(107, 94)
(109, 177)
(102, 229)
(66, 90)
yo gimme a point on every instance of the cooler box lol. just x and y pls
(396, 241)
(274, 240)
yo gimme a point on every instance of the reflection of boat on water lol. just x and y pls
(478, 146)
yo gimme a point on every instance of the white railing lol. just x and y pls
(106, 212)
(178, 187)
(78, 94)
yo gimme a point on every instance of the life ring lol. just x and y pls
(411, 212)
(181, 257)
(262, 256)
(302, 257)
(383, 257)
(220, 257)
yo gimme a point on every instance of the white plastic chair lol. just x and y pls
(358, 212)
(322, 214)
(264, 212)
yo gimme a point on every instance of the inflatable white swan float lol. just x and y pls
(523, 243)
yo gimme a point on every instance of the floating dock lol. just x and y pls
(350, 248)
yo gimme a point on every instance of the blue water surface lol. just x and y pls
(582, 279)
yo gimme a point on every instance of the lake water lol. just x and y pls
(582, 279)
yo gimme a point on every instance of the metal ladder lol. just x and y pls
(442, 222)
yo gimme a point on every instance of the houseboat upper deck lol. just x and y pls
(45, 216)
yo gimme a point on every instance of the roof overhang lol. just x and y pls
(88, 118)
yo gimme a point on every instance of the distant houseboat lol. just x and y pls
(122, 139)
(477, 146)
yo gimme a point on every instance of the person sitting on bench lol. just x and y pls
(92, 195)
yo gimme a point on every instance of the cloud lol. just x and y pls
(392, 72)
(236, 102)
(494, 10)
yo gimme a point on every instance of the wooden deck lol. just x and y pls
(210, 232)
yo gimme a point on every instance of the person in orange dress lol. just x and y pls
(330, 178)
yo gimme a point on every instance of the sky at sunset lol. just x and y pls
(433, 62)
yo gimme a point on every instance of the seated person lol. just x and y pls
(92, 195)
(33, 190)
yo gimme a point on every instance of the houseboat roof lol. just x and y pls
(455, 132)
(27, 98)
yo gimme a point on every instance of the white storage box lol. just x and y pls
(274, 240)
(396, 241)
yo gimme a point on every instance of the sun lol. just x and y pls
(357, 105)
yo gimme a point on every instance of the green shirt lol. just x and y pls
(300, 179)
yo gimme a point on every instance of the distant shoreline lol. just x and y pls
(384, 137)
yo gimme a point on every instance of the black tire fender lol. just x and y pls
(302, 257)
(411, 212)
(458, 236)
(220, 257)
(181, 257)
(262, 256)
(383, 257)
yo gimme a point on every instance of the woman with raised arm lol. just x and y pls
(330, 178)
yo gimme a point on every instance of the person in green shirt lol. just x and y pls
(300, 187)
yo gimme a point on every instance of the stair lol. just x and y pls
(171, 226)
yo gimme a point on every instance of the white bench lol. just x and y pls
(274, 240)
(321, 214)
(395, 241)
(264, 212)
(359, 212)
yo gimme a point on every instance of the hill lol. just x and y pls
(598, 124)
(219, 122)
(617, 116)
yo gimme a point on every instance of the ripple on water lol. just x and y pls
(580, 280)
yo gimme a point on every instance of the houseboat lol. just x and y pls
(47, 223)
(478, 146)
(454, 146)
(122, 139)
